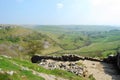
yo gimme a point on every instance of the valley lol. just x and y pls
(18, 43)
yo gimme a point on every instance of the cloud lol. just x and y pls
(105, 11)
(60, 5)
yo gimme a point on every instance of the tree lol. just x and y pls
(34, 47)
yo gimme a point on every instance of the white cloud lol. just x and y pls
(106, 11)
(60, 5)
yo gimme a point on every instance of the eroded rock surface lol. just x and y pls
(74, 67)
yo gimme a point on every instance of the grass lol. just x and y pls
(91, 77)
(55, 72)
(6, 64)
(73, 40)
(30, 76)
(64, 40)
(107, 53)
(101, 46)
(95, 49)
(4, 76)
(51, 49)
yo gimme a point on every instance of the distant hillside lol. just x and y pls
(87, 40)
(57, 40)
(76, 27)
(14, 41)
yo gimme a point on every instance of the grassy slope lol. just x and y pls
(102, 39)
(9, 64)
(20, 36)
(62, 40)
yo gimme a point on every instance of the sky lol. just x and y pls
(60, 12)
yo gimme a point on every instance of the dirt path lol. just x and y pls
(45, 76)
(101, 71)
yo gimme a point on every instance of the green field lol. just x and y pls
(72, 39)
(83, 40)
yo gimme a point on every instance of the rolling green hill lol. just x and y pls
(79, 39)
(16, 47)
(84, 40)
(15, 41)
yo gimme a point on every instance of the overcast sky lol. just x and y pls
(59, 12)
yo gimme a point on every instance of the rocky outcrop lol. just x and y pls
(7, 26)
(70, 62)
(72, 67)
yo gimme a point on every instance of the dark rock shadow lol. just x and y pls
(112, 70)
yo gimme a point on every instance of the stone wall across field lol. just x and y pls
(110, 59)
(36, 59)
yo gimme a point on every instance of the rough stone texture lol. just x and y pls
(110, 59)
(68, 66)
(36, 58)
(100, 69)
(7, 26)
